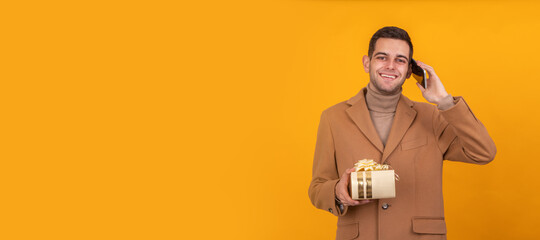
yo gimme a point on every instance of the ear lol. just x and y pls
(409, 72)
(365, 60)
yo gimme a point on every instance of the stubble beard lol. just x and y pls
(373, 79)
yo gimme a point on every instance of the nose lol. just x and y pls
(390, 64)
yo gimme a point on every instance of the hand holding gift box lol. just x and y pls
(343, 197)
(371, 180)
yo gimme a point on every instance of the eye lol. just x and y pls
(381, 57)
(399, 60)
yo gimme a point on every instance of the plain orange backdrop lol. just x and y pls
(198, 119)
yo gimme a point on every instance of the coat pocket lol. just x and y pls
(415, 143)
(429, 225)
(347, 231)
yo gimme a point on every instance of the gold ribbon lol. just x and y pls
(370, 165)
(365, 190)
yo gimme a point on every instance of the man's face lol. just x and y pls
(389, 65)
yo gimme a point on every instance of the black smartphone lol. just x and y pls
(419, 74)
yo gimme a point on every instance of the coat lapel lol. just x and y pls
(403, 119)
(359, 113)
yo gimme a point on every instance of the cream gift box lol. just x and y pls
(372, 181)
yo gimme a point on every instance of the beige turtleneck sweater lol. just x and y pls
(382, 109)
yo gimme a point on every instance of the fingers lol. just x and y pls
(343, 194)
(341, 189)
(365, 201)
(350, 202)
(423, 65)
(346, 175)
(426, 67)
(433, 79)
(434, 91)
(346, 199)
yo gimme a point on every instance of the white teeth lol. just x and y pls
(388, 76)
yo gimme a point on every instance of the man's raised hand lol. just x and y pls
(435, 90)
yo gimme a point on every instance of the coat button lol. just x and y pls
(385, 206)
(330, 210)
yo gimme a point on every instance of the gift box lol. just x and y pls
(372, 181)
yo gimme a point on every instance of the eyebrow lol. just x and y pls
(386, 54)
(403, 57)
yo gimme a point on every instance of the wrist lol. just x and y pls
(441, 98)
(446, 102)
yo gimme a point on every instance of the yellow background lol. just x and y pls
(198, 119)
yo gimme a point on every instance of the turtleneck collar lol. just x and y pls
(379, 102)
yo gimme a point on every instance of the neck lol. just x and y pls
(379, 101)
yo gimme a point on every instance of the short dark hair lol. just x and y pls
(390, 32)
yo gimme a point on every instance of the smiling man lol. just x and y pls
(414, 138)
(387, 65)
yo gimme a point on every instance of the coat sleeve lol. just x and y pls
(325, 174)
(462, 137)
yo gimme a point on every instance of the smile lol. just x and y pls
(388, 76)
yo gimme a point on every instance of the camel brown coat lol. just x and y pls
(420, 139)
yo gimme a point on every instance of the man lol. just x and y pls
(414, 138)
